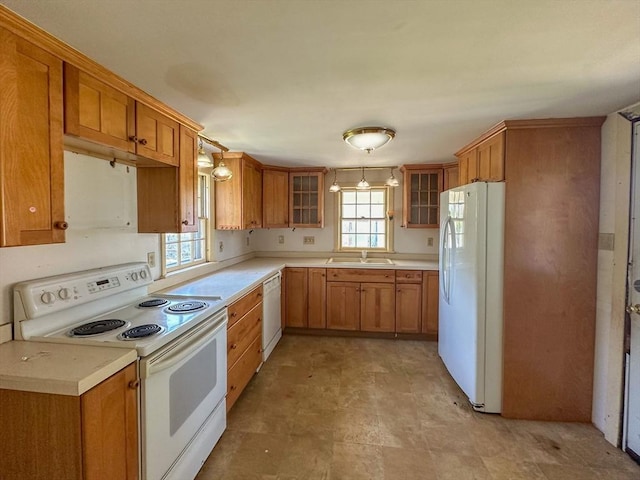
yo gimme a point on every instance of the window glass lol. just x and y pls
(362, 222)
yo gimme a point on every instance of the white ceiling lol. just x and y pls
(282, 79)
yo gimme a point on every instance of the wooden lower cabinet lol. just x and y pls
(377, 307)
(296, 294)
(317, 298)
(90, 437)
(343, 305)
(430, 302)
(244, 343)
(408, 307)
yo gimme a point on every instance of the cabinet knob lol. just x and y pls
(61, 225)
(133, 138)
(234, 346)
(232, 388)
(142, 141)
(133, 384)
(185, 222)
(233, 314)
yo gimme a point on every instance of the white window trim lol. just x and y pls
(337, 241)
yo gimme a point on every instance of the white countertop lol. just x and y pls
(233, 282)
(56, 368)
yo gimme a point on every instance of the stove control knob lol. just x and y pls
(143, 274)
(64, 294)
(134, 276)
(48, 298)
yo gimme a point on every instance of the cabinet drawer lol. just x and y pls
(409, 276)
(360, 275)
(242, 334)
(243, 370)
(240, 307)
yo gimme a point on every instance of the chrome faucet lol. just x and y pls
(364, 255)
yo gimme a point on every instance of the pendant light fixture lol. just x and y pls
(203, 159)
(392, 181)
(221, 173)
(335, 188)
(363, 184)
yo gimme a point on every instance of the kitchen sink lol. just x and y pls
(361, 261)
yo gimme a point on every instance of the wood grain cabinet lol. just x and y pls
(430, 302)
(90, 437)
(275, 197)
(483, 162)
(552, 179)
(296, 294)
(97, 112)
(31, 155)
(408, 301)
(167, 197)
(239, 200)
(244, 343)
(450, 176)
(306, 198)
(422, 185)
(361, 300)
(317, 298)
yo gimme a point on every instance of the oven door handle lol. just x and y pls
(183, 349)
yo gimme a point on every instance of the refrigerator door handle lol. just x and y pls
(446, 258)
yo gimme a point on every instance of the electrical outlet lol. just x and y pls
(429, 241)
(220, 246)
(151, 259)
(280, 239)
(248, 241)
(308, 240)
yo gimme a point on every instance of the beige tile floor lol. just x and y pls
(343, 408)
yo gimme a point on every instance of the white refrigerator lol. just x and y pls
(471, 286)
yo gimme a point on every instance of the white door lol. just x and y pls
(632, 404)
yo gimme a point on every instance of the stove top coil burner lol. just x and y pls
(185, 307)
(155, 302)
(141, 331)
(97, 327)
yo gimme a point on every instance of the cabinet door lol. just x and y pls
(408, 307)
(31, 156)
(377, 307)
(450, 177)
(188, 178)
(317, 303)
(229, 197)
(157, 135)
(343, 305)
(296, 297)
(473, 175)
(306, 199)
(491, 159)
(275, 199)
(251, 194)
(110, 428)
(422, 198)
(95, 111)
(430, 299)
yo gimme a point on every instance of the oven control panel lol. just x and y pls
(52, 294)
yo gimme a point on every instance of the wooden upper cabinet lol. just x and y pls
(306, 198)
(156, 135)
(421, 196)
(450, 176)
(239, 199)
(96, 111)
(275, 198)
(31, 139)
(167, 197)
(482, 162)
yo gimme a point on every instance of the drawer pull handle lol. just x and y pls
(233, 314)
(142, 141)
(61, 225)
(133, 384)
(234, 346)
(133, 138)
(232, 388)
(185, 222)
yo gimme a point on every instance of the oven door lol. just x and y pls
(181, 387)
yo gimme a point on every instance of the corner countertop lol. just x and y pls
(59, 368)
(236, 281)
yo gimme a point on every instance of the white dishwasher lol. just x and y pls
(271, 327)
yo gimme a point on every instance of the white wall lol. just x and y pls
(406, 241)
(612, 259)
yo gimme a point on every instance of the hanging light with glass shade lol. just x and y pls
(221, 173)
(203, 159)
(392, 181)
(363, 184)
(335, 188)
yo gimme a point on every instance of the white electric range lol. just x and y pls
(181, 344)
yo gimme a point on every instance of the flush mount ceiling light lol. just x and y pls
(221, 173)
(203, 158)
(335, 188)
(368, 138)
(392, 181)
(363, 184)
